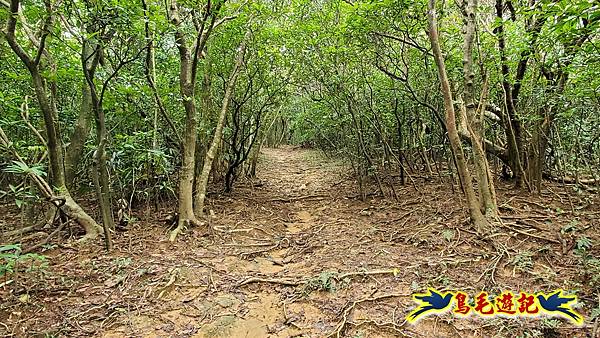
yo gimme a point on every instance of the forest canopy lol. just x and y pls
(157, 96)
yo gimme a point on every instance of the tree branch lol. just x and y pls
(45, 31)
(399, 39)
(11, 38)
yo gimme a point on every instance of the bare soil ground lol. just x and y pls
(296, 253)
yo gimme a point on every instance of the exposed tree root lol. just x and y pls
(291, 282)
(390, 326)
(181, 225)
(45, 241)
(299, 198)
(75, 212)
(20, 231)
(346, 313)
(529, 234)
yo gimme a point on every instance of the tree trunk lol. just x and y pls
(82, 127)
(150, 72)
(187, 81)
(100, 169)
(477, 217)
(81, 131)
(474, 115)
(186, 176)
(511, 122)
(202, 180)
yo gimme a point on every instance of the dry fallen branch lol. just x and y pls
(45, 241)
(289, 282)
(572, 180)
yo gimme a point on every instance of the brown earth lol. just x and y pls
(296, 253)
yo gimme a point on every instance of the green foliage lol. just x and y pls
(589, 262)
(523, 261)
(11, 257)
(583, 243)
(569, 228)
(595, 313)
(20, 168)
(325, 281)
(122, 262)
(140, 168)
(21, 194)
(448, 234)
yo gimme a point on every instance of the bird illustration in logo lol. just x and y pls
(557, 302)
(430, 302)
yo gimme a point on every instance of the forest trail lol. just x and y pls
(300, 222)
(292, 253)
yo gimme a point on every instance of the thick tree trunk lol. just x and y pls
(81, 131)
(187, 80)
(202, 180)
(55, 154)
(474, 114)
(186, 176)
(477, 217)
(186, 87)
(67, 205)
(82, 127)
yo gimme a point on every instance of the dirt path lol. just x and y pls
(293, 253)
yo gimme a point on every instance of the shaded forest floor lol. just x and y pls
(296, 253)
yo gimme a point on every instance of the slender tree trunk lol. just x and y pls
(477, 217)
(189, 58)
(202, 180)
(206, 115)
(150, 71)
(55, 149)
(542, 129)
(100, 169)
(100, 176)
(511, 122)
